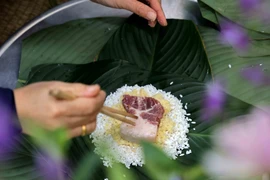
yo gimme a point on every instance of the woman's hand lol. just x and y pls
(152, 12)
(34, 104)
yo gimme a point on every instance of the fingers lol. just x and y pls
(156, 5)
(139, 8)
(81, 90)
(152, 23)
(78, 131)
(81, 106)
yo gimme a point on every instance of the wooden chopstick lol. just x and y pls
(114, 113)
(119, 112)
(117, 116)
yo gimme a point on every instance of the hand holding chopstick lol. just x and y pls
(114, 113)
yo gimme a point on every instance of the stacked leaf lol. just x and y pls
(133, 53)
(227, 62)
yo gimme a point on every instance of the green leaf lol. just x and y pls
(120, 172)
(190, 68)
(173, 49)
(56, 142)
(138, 54)
(221, 56)
(73, 42)
(158, 164)
(208, 13)
(215, 17)
(87, 167)
(231, 10)
(19, 164)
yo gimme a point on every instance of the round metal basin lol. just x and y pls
(10, 52)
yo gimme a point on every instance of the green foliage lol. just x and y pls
(220, 56)
(87, 167)
(160, 166)
(231, 10)
(120, 172)
(134, 54)
(54, 142)
(75, 42)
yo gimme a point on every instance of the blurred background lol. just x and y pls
(15, 13)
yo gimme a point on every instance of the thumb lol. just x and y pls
(82, 90)
(140, 9)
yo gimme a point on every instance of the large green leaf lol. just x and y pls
(73, 42)
(215, 17)
(173, 49)
(222, 56)
(231, 10)
(208, 13)
(138, 54)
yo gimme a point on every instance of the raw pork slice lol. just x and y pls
(149, 112)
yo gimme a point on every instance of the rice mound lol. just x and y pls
(172, 137)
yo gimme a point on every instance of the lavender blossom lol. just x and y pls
(243, 148)
(258, 9)
(214, 100)
(8, 131)
(256, 76)
(234, 35)
(51, 167)
(249, 5)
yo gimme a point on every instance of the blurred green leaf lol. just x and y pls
(120, 172)
(54, 142)
(87, 167)
(159, 165)
(231, 10)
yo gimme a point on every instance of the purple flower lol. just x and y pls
(256, 76)
(214, 100)
(256, 9)
(8, 131)
(234, 35)
(243, 147)
(51, 167)
(249, 5)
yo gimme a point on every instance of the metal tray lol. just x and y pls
(10, 51)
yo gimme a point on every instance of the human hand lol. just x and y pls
(152, 12)
(34, 104)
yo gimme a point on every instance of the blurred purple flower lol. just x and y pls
(8, 131)
(214, 100)
(51, 167)
(243, 147)
(249, 5)
(256, 9)
(256, 76)
(234, 35)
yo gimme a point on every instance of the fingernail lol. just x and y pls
(163, 23)
(151, 23)
(92, 88)
(151, 16)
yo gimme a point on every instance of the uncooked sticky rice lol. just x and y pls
(171, 136)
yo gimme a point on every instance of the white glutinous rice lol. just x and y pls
(188, 152)
(174, 145)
